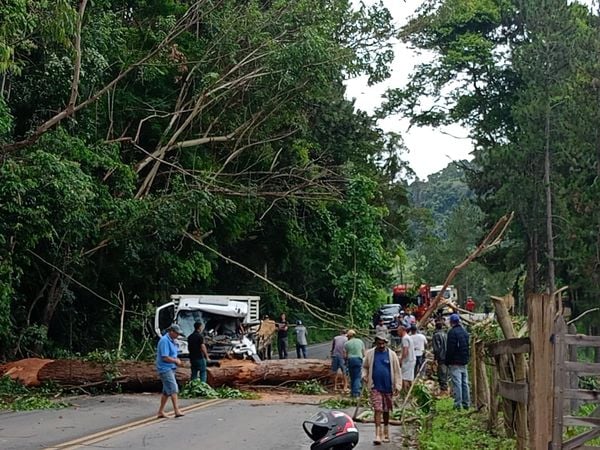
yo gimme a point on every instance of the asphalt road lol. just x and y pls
(128, 422)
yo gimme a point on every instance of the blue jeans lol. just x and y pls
(460, 386)
(301, 351)
(198, 367)
(355, 368)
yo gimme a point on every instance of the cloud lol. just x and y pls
(430, 149)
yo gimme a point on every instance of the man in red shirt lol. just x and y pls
(470, 304)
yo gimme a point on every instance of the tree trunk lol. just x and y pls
(276, 371)
(136, 376)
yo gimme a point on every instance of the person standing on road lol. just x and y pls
(382, 329)
(383, 376)
(438, 343)
(420, 342)
(354, 352)
(457, 358)
(407, 357)
(198, 352)
(394, 333)
(282, 335)
(338, 366)
(301, 340)
(166, 364)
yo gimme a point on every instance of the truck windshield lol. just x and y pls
(213, 323)
(186, 320)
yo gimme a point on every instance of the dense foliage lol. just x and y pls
(128, 126)
(523, 76)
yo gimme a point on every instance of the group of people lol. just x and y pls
(384, 370)
(451, 353)
(282, 338)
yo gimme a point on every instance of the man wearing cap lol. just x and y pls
(354, 352)
(166, 364)
(301, 340)
(381, 371)
(457, 358)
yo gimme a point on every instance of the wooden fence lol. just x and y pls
(567, 394)
(539, 394)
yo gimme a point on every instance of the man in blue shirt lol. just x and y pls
(166, 364)
(382, 373)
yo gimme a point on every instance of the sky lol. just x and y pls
(430, 149)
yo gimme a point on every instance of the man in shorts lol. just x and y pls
(338, 364)
(407, 356)
(383, 376)
(166, 364)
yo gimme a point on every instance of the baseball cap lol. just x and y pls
(176, 328)
(351, 333)
(454, 318)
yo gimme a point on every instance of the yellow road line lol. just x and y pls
(115, 431)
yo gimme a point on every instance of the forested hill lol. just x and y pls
(442, 192)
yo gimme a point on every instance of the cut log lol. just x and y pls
(139, 376)
(268, 372)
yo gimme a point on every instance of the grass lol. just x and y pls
(450, 429)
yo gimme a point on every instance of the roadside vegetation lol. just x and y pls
(451, 429)
(199, 389)
(16, 397)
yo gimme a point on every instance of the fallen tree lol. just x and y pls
(138, 376)
(268, 372)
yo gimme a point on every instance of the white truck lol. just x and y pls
(226, 319)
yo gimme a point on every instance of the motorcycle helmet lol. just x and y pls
(331, 430)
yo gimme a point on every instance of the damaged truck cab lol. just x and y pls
(227, 320)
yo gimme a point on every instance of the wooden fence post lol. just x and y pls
(540, 321)
(520, 418)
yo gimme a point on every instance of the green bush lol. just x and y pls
(198, 389)
(309, 387)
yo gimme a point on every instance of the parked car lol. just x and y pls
(388, 312)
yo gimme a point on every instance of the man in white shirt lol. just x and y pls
(407, 357)
(420, 342)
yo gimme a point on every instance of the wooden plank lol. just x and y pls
(510, 346)
(493, 413)
(583, 394)
(582, 421)
(581, 439)
(559, 382)
(580, 340)
(582, 368)
(516, 392)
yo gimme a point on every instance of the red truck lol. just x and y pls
(410, 298)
